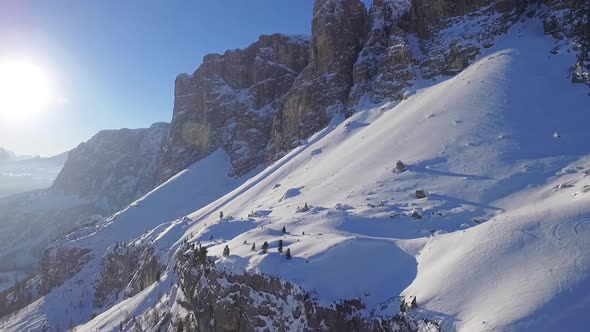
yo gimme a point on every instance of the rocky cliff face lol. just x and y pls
(218, 300)
(260, 102)
(321, 91)
(114, 167)
(125, 268)
(229, 103)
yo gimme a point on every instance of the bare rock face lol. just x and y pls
(384, 67)
(570, 19)
(260, 102)
(114, 167)
(125, 267)
(339, 28)
(449, 51)
(217, 300)
(60, 264)
(229, 103)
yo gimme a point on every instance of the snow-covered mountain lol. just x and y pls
(446, 188)
(100, 176)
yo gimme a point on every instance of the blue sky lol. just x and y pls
(115, 61)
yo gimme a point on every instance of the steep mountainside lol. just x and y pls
(229, 103)
(428, 170)
(100, 177)
(260, 102)
(114, 167)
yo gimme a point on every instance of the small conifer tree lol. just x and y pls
(202, 255)
(284, 230)
(288, 253)
(281, 246)
(265, 247)
(253, 246)
(226, 251)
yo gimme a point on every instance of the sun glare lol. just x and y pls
(24, 90)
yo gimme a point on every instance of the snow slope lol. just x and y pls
(502, 239)
(72, 302)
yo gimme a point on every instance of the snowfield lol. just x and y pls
(500, 242)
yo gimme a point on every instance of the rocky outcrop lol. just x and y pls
(217, 300)
(229, 103)
(114, 167)
(260, 102)
(59, 264)
(125, 267)
(570, 20)
(384, 67)
(339, 28)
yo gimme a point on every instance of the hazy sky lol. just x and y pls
(113, 63)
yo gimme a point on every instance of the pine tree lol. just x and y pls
(220, 215)
(202, 255)
(226, 251)
(280, 246)
(413, 304)
(284, 230)
(253, 246)
(121, 326)
(288, 253)
(265, 247)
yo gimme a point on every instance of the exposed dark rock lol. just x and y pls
(384, 67)
(229, 103)
(59, 264)
(223, 301)
(114, 167)
(127, 267)
(321, 91)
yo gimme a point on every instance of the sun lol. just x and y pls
(24, 90)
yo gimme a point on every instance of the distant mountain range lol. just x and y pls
(25, 173)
